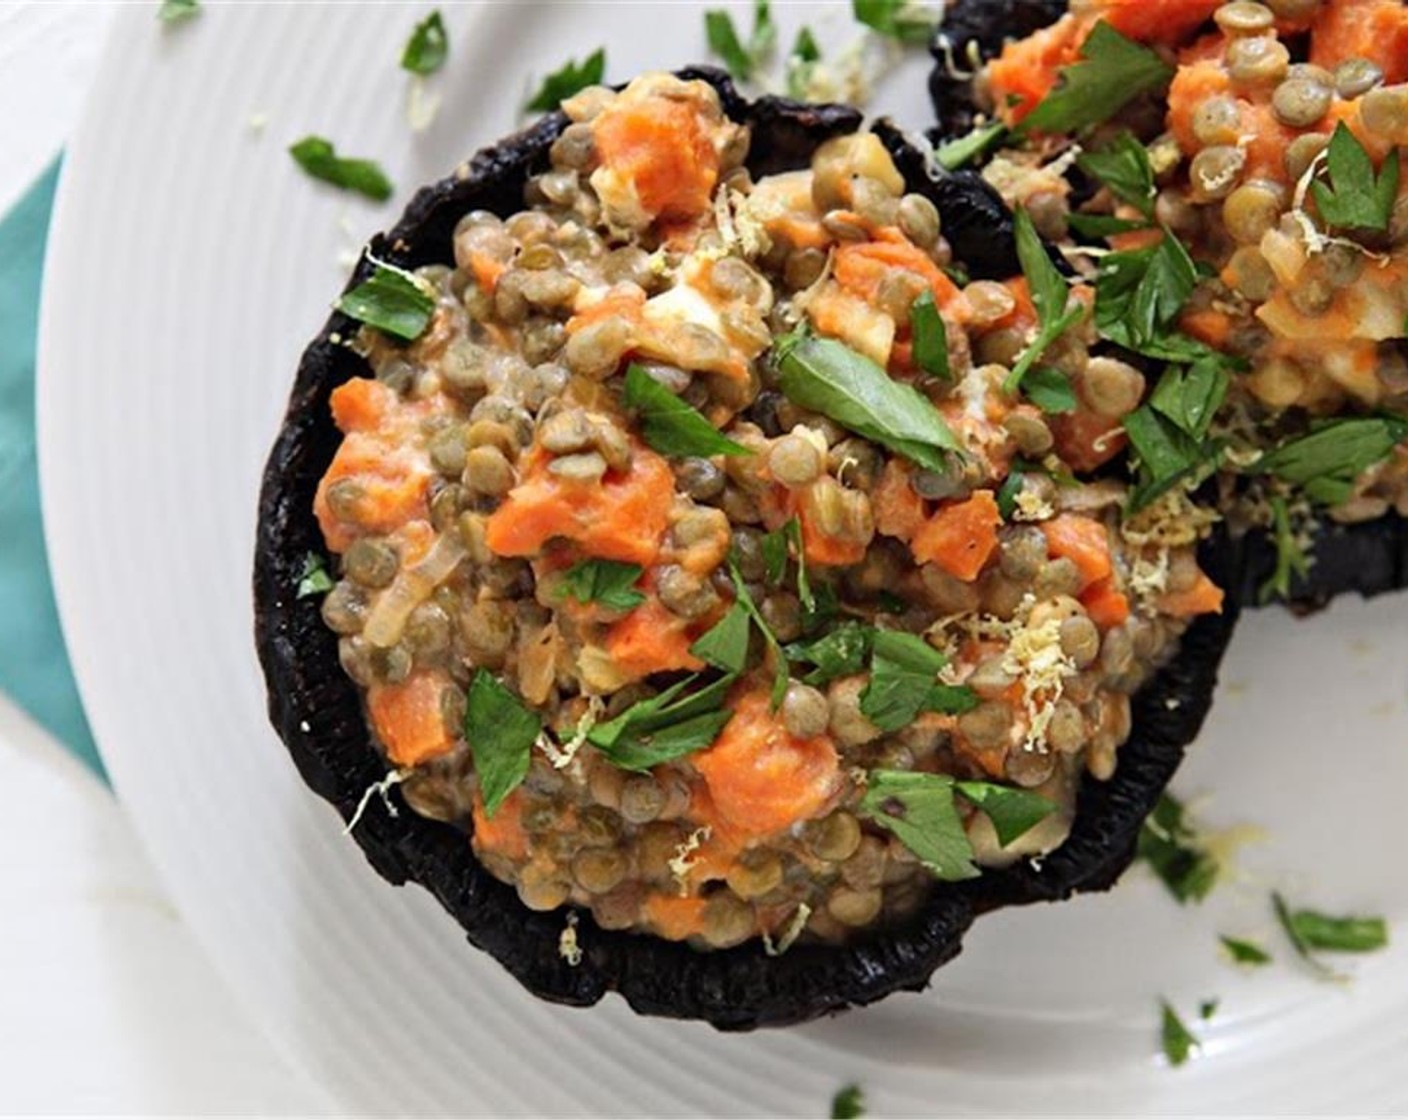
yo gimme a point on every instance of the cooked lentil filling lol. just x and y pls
(1275, 157)
(526, 526)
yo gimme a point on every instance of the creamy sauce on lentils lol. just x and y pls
(486, 459)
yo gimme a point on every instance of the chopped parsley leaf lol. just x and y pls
(1191, 396)
(1014, 812)
(571, 79)
(1356, 198)
(1245, 952)
(391, 300)
(965, 149)
(1310, 930)
(1050, 295)
(1291, 561)
(1007, 494)
(828, 377)
(500, 730)
(1096, 226)
(1326, 463)
(428, 47)
(848, 1103)
(666, 726)
(1123, 166)
(725, 644)
(774, 647)
(1139, 294)
(919, 809)
(841, 653)
(671, 426)
(1113, 71)
(930, 336)
(1050, 390)
(777, 548)
(903, 672)
(608, 582)
(1168, 844)
(1208, 1008)
(1179, 1042)
(897, 19)
(315, 579)
(319, 158)
(177, 11)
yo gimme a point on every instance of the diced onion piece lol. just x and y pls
(413, 586)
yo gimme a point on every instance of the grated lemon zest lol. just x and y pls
(790, 932)
(561, 757)
(383, 787)
(1031, 506)
(681, 864)
(1035, 657)
(567, 947)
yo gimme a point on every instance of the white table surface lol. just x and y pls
(109, 1006)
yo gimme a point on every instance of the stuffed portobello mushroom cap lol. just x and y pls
(316, 709)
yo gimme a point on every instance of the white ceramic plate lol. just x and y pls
(190, 260)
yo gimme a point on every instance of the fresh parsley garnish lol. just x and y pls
(930, 336)
(828, 377)
(778, 546)
(1113, 71)
(1191, 396)
(841, 653)
(774, 647)
(1123, 166)
(608, 582)
(801, 62)
(1291, 561)
(725, 644)
(1050, 390)
(903, 672)
(1050, 294)
(1356, 198)
(392, 300)
(315, 579)
(671, 426)
(1139, 294)
(1007, 494)
(1096, 226)
(428, 47)
(848, 1103)
(574, 77)
(664, 727)
(1179, 1042)
(319, 158)
(919, 808)
(1326, 462)
(1245, 952)
(175, 11)
(897, 19)
(964, 149)
(1013, 812)
(500, 730)
(1168, 844)
(742, 61)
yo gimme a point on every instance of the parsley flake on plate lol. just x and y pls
(1310, 931)
(571, 79)
(1170, 846)
(742, 60)
(428, 47)
(391, 300)
(1178, 1041)
(902, 20)
(1245, 952)
(177, 11)
(318, 157)
(848, 1103)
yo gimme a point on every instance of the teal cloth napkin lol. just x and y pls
(34, 669)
